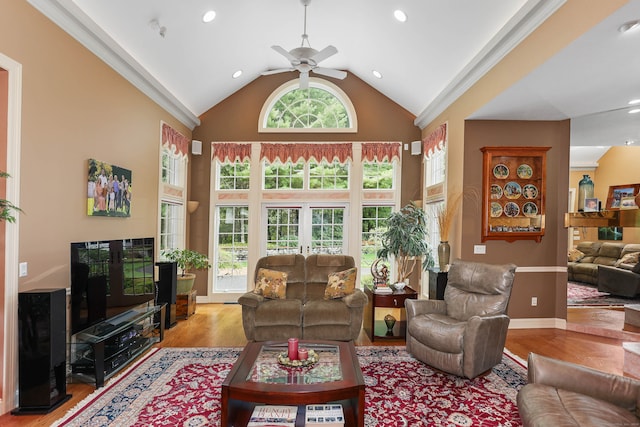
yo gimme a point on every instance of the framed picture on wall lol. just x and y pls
(619, 192)
(609, 233)
(109, 189)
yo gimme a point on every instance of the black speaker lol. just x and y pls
(42, 356)
(166, 290)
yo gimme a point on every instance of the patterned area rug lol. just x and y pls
(588, 295)
(181, 387)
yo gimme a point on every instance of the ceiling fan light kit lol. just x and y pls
(305, 59)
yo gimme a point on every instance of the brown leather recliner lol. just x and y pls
(464, 334)
(304, 313)
(563, 394)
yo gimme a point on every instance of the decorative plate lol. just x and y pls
(530, 209)
(496, 191)
(496, 210)
(284, 360)
(530, 191)
(524, 171)
(511, 209)
(512, 190)
(501, 171)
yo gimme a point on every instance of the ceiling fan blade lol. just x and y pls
(304, 80)
(276, 71)
(324, 54)
(284, 53)
(330, 72)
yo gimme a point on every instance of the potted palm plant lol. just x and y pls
(187, 260)
(406, 240)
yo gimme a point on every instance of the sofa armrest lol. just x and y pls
(619, 390)
(416, 307)
(356, 299)
(251, 299)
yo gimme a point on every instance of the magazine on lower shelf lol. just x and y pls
(326, 415)
(273, 416)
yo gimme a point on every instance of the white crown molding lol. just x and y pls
(528, 18)
(68, 16)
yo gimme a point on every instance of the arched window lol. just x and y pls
(323, 107)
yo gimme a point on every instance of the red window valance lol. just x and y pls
(435, 140)
(297, 151)
(174, 140)
(223, 151)
(380, 151)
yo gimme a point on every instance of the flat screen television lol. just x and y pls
(109, 277)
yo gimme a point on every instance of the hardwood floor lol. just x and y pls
(220, 325)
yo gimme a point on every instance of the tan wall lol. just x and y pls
(236, 119)
(75, 107)
(552, 250)
(4, 94)
(570, 21)
(618, 166)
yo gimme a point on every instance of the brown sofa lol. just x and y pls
(304, 313)
(585, 265)
(563, 394)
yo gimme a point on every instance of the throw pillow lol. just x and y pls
(271, 284)
(341, 283)
(575, 255)
(630, 258)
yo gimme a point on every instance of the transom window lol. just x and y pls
(233, 175)
(283, 176)
(328, 176)
(323, 107)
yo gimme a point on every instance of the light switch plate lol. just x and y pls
(480, 249)
(23, 269)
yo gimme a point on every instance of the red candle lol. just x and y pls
(303, 354)
(293, 349)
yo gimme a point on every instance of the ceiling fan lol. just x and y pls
(306, 59)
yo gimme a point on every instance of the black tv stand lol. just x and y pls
(100, 351)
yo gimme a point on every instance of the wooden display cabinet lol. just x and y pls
(513, 193)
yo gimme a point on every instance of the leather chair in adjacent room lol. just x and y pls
(464, 334)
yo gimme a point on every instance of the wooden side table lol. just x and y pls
(377, 330)
(186, 304)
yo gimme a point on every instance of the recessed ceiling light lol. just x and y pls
(237, 74)
(629, 142)
(634, 111)
(377, 74)
(634, 102)
(400, 15)
(209, 16)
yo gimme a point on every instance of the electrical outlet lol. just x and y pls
(480, 249)
(534, 301)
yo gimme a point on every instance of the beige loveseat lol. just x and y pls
(585, 260)
(304, 312)
(563, 394)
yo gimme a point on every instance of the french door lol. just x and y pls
(305, 228)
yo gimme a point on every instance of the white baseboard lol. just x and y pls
(537, 323)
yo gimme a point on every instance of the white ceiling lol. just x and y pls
(442, 49)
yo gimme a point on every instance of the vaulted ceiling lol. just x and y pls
(186, 65)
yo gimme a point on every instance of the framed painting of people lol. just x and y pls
(109, 190)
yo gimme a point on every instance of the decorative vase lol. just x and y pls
(444, 253)
(390, 321)
(185, 283)
(585, 191)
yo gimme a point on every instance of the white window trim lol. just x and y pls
(313, 82)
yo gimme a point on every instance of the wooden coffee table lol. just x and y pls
(257, 378)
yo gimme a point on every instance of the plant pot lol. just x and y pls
(185, 283)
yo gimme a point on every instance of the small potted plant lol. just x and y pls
(187, 260)
(406, 240)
